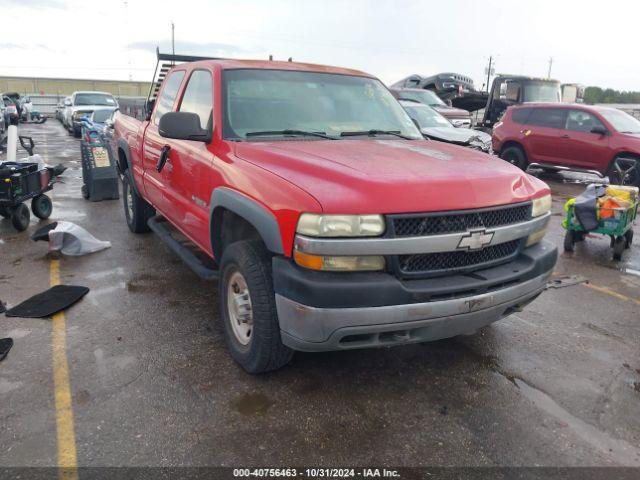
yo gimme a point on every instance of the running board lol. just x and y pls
(187, 256)
(562, 168)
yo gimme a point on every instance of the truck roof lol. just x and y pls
(233, 64)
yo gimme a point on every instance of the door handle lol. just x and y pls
(164, 155)
(565, 136)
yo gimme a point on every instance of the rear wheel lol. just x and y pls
(20, 217)
(515, 156)
(248, 308)
(569, 241)
(618, 247)
(136, 210)
(624, 171)
(41, 207)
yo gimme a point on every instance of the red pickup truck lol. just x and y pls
(332, 222)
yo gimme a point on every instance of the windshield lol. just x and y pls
(423, 96)
(542, 92)
(277, 100)
(94, 99)
(621, 121)
(101, 116)
(427, 117)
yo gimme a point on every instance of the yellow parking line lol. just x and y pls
(67, 459)
(612, 293)
(65, 432)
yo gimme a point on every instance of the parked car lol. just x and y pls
(17, 101)
(60, 110)
(434, 126)
(84, 103)
(577, 137)
(334, 225)
(457, 116)
(3, 120)
(11, 111)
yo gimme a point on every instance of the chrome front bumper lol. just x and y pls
(308, 328)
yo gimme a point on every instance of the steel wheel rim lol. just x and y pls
(129, 196)
(239, 308)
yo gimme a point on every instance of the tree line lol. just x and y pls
(609, 95)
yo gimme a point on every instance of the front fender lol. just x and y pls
(258, 216)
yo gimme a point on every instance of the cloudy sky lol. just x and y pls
(591, 42)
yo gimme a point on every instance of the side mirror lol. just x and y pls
(183, 126)
(599, 130)
(67, 103)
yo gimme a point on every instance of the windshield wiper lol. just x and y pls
(289, 132)
(375, 132)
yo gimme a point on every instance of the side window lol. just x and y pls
(548, 117)
(198, 96)
(164, 103)
(521, 115)
(581, 121)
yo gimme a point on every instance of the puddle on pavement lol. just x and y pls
(252, 404)
(619, 450)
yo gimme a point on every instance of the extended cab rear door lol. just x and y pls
(192, 173)
(155, 183)
(543, 134)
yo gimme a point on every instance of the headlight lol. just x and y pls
(368, 263)
(541, 206)
(340, 225)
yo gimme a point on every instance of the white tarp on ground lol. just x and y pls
(74, 240)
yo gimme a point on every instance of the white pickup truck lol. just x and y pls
(81, 104)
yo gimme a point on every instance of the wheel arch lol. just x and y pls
(513, 143)
(230, 205)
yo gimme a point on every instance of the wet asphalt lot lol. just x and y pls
(152, 384)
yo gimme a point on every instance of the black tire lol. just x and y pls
(624, 171)
(5, 212)
(618, 247)
(76, 132)
(20, 217)
(136, 210)
(264, 350)
(569, 241)
(628, 236)
(85, 192)
(515, 156)
(41, 207)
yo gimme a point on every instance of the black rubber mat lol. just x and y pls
(48, 302)
(43, 232)
(5, 346)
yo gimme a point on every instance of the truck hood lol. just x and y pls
(392, 176)
(462, 136)
(451, 112)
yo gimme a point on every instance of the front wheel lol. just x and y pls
(515, 156)
(569, 241)
(136, 210)
(618, 247)
(20, 217)
(248, 308)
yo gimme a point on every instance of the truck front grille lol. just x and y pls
(434, 263)
(442, 223)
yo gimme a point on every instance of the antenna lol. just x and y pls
(173, 39)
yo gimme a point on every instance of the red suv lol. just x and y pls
(575, 137)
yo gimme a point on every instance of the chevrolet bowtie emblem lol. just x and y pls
(475, 240)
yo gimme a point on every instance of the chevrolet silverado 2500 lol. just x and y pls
(332, 222)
